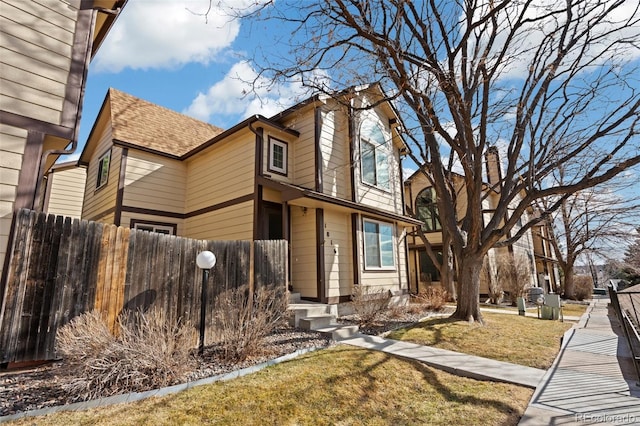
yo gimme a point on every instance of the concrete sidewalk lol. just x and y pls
(592, 379)
(453, 362)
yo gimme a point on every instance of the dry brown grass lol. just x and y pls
(345, 386)
(148, 353)
(504, 337)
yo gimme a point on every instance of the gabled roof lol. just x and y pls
(141, 123)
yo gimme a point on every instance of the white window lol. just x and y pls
(378, 245)
(103, 169)
(374, 151)
(158, 228)
(277, 156)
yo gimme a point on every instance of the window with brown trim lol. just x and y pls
(277, 156)
(158, 227)
(103, 169)
(378, 245)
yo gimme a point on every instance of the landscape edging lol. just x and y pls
(139, 396)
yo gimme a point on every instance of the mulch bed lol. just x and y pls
(43, 386)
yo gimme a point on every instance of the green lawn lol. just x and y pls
(339, 386)
(504, 337)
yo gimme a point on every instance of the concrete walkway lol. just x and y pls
(453, 362)
(592, 381)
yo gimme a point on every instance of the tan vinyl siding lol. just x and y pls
(12, 143)
(67, 191)
(98, 201)
(230, 223)
(269, 194)
(304, 156)
(154, 182)
(334, 145)
(36, 40)
(337, 254)
(228, 166)
(303, 251)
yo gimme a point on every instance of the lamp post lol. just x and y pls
(205, 261)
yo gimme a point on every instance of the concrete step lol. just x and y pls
(309, 309)
(294, 298)
(339, 332)
(317, 321)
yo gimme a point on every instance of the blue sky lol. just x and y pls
(163, 52)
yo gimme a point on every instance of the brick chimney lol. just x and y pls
(494, 168)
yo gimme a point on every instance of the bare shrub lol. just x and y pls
(241, 320)
(369, 304)
(514, 274)
(583, 286)
(433, 298)
(489, 279)
(149, 352)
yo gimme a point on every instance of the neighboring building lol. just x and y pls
(64, 189)
(322, 175)
(45, 49)
(532, 246)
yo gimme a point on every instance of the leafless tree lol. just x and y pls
(548, 83)
(632, 254)
(594, 221)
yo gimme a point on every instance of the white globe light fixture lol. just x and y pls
(205, 261)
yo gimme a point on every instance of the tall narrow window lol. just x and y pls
(427, 210)
(103, 169)
(378, 245)
(277, 156)
(374, 152)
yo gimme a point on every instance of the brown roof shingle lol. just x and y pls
(142, 123)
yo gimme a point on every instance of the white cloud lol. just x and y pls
(166, 34)
(233, 96)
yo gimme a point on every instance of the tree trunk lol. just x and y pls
(468, 307)
(569, 286)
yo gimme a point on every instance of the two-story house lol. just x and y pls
(324, 174)
(533, 246)
(45, 49)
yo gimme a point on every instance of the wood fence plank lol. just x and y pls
(57, 285)
(121, 273)
(77, 282)
(16, 282)
(133, 235)
(90, 264)
(32, 302)
(46, 351)
(45, 291)
(63, 292)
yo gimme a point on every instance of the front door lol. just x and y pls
(272, 221)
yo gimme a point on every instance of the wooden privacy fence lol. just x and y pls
(60, 268)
